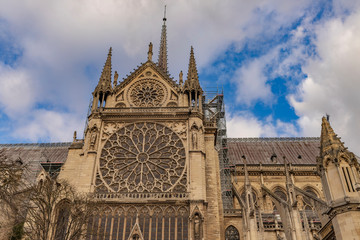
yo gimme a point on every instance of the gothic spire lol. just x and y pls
(192, 81)
(162, 60)
(105, 78)
(329, 141)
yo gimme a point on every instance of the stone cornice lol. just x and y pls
(274, 170)
(342, 208)
(135, 113)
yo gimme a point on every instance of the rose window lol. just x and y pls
(147, 93)
(143, 157)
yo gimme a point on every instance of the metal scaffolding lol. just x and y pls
(214, 109)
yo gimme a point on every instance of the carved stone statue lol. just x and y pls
(194, 139)
(150, 52)
(181, 78)
(197, 223)
(116, 76)
(93, 138)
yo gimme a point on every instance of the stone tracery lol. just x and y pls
(143, 157)
(231, 233)
(147, 93)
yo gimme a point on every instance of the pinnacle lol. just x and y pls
(192, 81)
(329, 140)
(247, 181)
(162, 60)
(105, 78)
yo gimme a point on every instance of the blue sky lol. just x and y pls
(282, 64)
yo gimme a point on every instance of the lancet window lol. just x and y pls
(62, 221)
(156, 223)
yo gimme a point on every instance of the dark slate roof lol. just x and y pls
(32, 154)
(259, 150)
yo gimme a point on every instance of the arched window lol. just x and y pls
(232, 233)
(62, 221)
(311, 191)
(253, 196)
(280, 193)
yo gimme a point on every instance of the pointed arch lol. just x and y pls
(182, 222)
(231, 233)
(62, 219)
(196, 221)
(156, 223)
(280, 192)
(195, 211)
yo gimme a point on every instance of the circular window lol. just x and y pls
(143, 157)
(147, 93)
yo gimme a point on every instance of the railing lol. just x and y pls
(147, 109)
(231, 212)
(148, 196)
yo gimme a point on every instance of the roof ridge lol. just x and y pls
(53, 144)
(263, 139)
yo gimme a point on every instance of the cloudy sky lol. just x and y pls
(281, 64)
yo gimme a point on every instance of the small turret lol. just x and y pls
(338, 162)
(330, 143)
(338, 169)
(192, 86)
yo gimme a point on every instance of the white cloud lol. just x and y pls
(45, 126)
(334, 81)
(17, 91)
(245, 124)
(252, 83)
(64, 43)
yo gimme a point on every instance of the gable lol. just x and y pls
(147, 86)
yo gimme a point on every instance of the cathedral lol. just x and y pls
(156, 158)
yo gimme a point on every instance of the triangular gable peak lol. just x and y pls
(141, 70)
(147, 86)
(136, 233)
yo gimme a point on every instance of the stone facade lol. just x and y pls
(149, 156)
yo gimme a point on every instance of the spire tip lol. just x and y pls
(164, 19)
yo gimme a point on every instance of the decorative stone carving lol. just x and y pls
(93, 137)
(179, 128)
(174, 96)
(172, 104)
(120, 97)
(110, 128)
(143, 157)
(147, 93)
